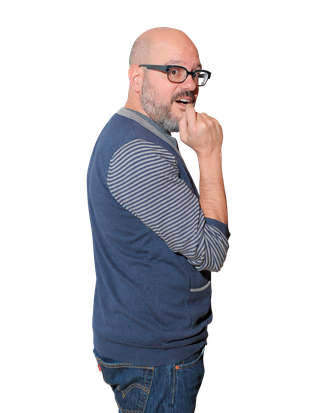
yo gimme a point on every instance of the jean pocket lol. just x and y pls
(130, 383)
(191, 361)
(187, 379)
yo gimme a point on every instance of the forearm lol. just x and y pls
(211, 187)
(204, 135)
(156, 195)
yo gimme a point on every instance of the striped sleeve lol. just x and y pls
(144, 179)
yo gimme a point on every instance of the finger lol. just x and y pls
(183, 127)
(191, 114)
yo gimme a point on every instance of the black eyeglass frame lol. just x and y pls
(166, 69)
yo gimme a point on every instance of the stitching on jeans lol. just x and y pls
(174, 377)
(122, 365)
(190, 365)
(134, 385)
(125, 392)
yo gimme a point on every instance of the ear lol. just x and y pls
(135, 75)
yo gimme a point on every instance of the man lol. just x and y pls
(155, 239)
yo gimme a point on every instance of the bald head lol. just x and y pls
(148, 42)
(150, 91)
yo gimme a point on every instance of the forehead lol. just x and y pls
(175, 50)
(187, 63)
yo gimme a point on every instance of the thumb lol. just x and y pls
(183, 127)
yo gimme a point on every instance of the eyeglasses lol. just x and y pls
(178, 74)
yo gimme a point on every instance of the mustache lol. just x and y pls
(183, 94)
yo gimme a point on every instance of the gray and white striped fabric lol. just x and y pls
(144, 178)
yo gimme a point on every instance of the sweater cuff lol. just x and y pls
(220, 225)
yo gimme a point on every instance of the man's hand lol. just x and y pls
(201, 132)
(204, 135)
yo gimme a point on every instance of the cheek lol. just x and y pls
(165, 96)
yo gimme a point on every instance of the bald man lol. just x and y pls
(156, 239)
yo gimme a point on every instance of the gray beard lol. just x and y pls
(158, 112)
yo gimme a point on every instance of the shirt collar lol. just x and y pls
(151, 125)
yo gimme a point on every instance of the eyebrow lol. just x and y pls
(181, 63)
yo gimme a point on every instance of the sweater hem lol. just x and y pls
(146, 357)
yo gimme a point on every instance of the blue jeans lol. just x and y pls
(164, 389)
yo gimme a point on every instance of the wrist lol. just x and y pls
(210, 161)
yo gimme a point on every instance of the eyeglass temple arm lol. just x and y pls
(155, 67)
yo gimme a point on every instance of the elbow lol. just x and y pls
(213, 261)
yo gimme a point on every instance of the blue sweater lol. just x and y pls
(153, 248)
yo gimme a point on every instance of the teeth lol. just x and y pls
(184, 101)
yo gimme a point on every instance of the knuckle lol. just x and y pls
(204, 126)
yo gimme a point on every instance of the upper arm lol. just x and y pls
(144, 178)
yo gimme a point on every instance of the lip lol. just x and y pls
(181, 105)
(186, 99)
(187, 96)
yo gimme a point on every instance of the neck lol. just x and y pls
(134, 103)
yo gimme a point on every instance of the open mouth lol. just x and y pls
(184, 101)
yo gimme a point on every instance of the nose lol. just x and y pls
(189, 83)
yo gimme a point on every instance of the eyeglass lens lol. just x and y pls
(178, 74)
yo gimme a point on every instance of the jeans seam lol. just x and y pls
(174, 383)
(151, 379)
